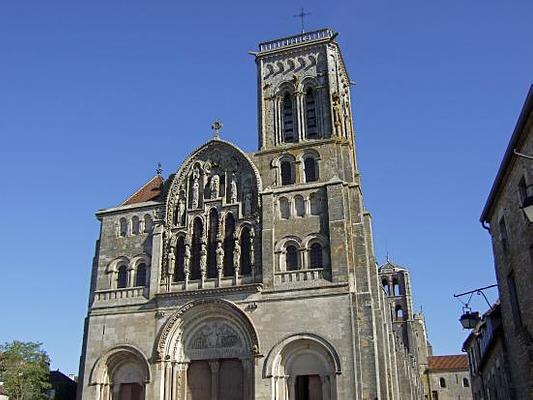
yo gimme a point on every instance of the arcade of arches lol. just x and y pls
(208, 351)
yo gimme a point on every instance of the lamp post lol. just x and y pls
(469, 319)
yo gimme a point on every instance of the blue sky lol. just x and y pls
(94, 94)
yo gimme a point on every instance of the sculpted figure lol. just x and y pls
(215, 187)
(181, 211)
(337, 114)
(203, 259)
(195, 192)
(171, 261)
(237, 256)
(233, 192)
(220, 256)
(187, 259)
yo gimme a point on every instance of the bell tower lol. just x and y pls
(303, 90)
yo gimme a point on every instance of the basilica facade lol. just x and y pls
(252, 275)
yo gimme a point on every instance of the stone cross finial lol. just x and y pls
(302, 15)
(159, 169)
(216, 127)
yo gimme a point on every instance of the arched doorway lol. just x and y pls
(303, 367)
(121, 374)
(207, 349)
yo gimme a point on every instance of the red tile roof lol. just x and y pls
(150, 191)
(456, 361)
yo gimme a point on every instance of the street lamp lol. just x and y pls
(469, 319)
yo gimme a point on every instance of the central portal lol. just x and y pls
(208, 348)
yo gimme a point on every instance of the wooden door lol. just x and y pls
(199, 381)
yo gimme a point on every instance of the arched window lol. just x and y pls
(287, 173)
(122, 277)
(212, 244)
(311, 169)
(179, 266)
(316, 256)
(311, 130)
(289, 131)
(399, 313)
(229, 244)
(135, 225)
(123, 231)
(246, 266)
(140, 279)
(299, 205)
(315, 204)
(466, 382)
(442, 382)
(198, 231)
(291, 258)
(396, 287)
(284, 208)
(386, 286)
(148, 224)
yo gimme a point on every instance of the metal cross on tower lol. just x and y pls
(216, 127)
(302, 15)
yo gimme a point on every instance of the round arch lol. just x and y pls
(303, 363)
(179, 330)
(113, 358)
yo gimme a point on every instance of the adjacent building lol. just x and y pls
(447, 378)
(504, 216)
(487, 355)
(252, 275)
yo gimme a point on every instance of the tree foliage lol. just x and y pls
(25, 370)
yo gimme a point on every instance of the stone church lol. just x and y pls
(252, 275)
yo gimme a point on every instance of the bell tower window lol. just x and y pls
(310, 169)
(287, 175)
(291, 258)
(311, 130)
(289, 131)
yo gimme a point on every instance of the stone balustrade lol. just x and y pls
(300, 275)
(296, 39)
(114, 294)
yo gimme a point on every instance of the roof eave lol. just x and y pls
(508, 156)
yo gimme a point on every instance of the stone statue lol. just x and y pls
(233, 192)
(181, 211)
(220, 256)
(171, 261)
(203, 259)
(237, 256)
(337, 114)
(195, 192)
(187, 258)
(248, 203)
(215, 187)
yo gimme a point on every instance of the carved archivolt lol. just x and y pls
(204, 327)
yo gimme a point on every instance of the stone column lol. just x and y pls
(325, 387)
(302, 255)
(175, 372)
(299, 114)
(248, 378)
(291, 389)
(168, 380)
(215, 366)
